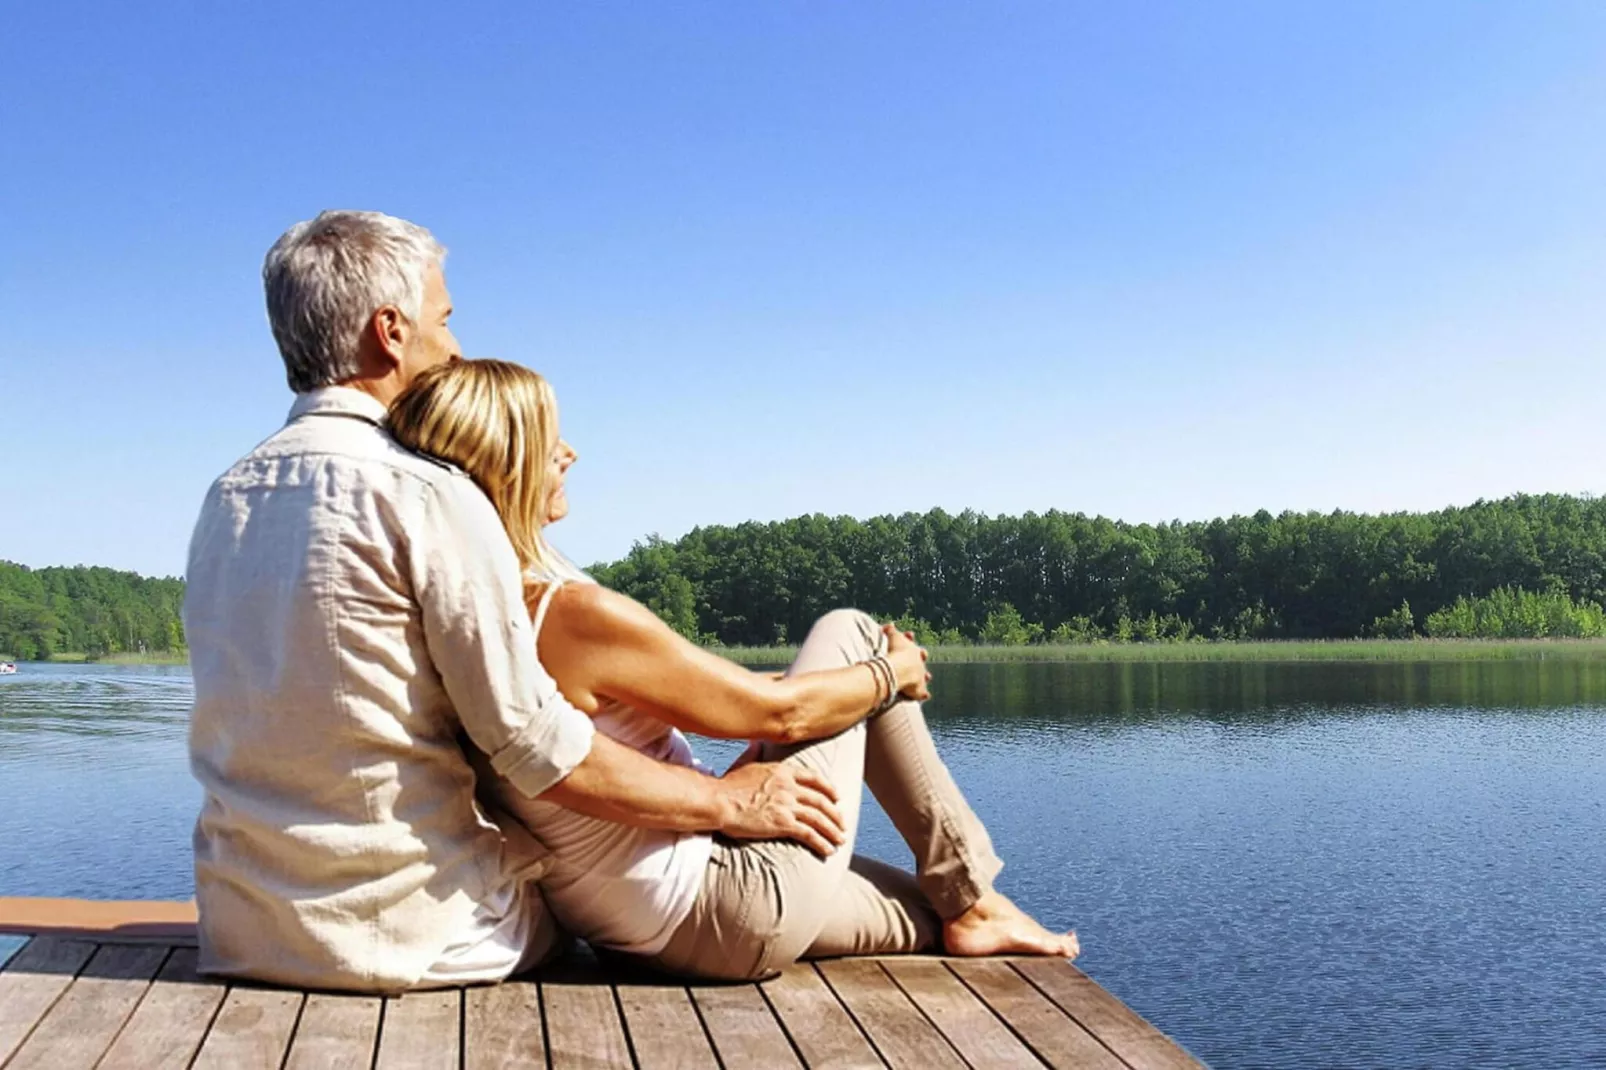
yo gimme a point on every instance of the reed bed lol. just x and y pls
(1396, 650)
(78, 657)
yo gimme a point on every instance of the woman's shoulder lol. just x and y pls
(590, 609)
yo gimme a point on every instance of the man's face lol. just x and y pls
(430, 342)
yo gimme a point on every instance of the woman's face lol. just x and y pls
(557, 504)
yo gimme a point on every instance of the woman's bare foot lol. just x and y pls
(996, 926)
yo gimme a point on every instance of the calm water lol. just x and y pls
(1282, 866)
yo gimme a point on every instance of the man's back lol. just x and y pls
(339, 844)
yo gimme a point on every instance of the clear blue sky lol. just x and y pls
(1149, 260)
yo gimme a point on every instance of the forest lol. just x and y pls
(1524, 566)
(1067, 577)
(91, 611)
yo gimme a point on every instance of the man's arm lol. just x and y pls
(759, 801)
(466, 580)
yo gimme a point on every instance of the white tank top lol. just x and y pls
(617, 885)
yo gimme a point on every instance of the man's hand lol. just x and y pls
(775, 801)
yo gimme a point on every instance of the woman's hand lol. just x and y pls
(908, 659)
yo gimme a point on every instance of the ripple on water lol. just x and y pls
(41, 704)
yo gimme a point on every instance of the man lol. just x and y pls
(352, 610)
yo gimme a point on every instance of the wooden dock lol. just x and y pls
(113, 987)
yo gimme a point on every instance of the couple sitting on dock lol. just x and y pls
(427, 740)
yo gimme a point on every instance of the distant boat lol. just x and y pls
(7, 668)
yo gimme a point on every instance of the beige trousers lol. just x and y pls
(765, 904)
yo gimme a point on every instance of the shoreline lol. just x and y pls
(78, 657)
(1265, 651)
(1260, 650)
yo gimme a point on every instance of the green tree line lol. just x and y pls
(1525, 565)
(94, 611)
(1068, 577)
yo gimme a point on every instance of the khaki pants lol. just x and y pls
(765, 904)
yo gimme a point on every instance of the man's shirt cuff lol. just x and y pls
(546, 751)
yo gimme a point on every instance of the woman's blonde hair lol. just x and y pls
(498, 422)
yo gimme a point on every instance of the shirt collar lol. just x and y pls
(338, 401)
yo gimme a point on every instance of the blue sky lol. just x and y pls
(1152, 260)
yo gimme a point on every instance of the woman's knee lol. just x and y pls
(852, 630)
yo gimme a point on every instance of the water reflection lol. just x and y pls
(1231, 692)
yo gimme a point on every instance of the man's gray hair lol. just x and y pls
(325, 278)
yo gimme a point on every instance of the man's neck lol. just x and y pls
(382, 390)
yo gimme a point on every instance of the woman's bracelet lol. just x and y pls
(886, 684)
(880, 683)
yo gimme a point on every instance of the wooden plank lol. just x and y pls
(818, 1024)
(1122, 1029)
(894, 1025)
(984, 1041)
(745, 1030)
(336, 1033)
(502, 1028)
(32, 981)
(251, 1030)
(88, 1016)
(169, 1024)
(1056, 1038)
(665, 1032)
(421, 1031)
(583, 1027)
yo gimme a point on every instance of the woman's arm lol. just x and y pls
(600, 644)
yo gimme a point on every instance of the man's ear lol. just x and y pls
(390, 329)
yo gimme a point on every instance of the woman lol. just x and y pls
(848, 708)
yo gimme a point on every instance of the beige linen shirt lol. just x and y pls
(351, 608)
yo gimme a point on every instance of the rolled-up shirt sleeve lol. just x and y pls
(466, 579)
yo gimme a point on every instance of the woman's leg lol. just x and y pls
(878, 910)
(860, 906)
(765, 904)
(954, 857)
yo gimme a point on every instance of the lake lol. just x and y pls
(1287, 865)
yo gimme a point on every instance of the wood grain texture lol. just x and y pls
(32, 981)
(502, 1028)
(421, 1031)
(336, 1033)
(87, 1018)
(980, 1037)
(251, 1031)
(1057, 1040)
(1139, 1044)
(817, 1022)
(894, 1025)
(744, 1029)
(583, 1028)
(665, 1031)
(166, 1029)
